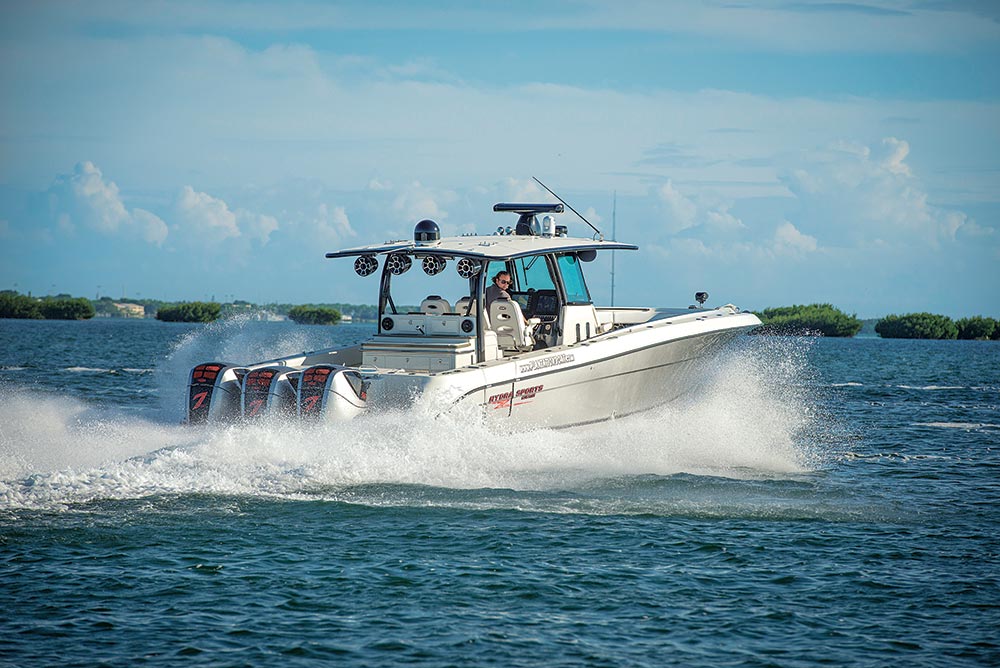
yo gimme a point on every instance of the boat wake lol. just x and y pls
(751, 421)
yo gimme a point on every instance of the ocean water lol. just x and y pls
(819, 502)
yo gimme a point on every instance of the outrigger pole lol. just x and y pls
(568, 206)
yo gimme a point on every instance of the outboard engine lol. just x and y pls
(269, 390)
(214, 392)
(331, 392)
(220, 392)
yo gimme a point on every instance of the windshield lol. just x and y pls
(572, 275)
(533, 274)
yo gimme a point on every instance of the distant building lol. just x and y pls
(131, 310)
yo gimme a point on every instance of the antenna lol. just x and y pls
(601, 236)
(614, 237)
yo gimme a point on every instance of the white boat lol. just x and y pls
(545, 357)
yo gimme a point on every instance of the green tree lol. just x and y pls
(976, 327)
(357, 311)
(71, 308)
(14, 305)
(314, 315)
(812, 319)
(189, 312)
(917, 326)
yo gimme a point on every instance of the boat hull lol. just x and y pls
(624, 371)
(611, 376)
(616, 386)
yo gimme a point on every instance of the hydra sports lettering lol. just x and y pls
(528, 393)
(523, 395)
(501, 400)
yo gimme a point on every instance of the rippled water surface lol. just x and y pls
(818, 502)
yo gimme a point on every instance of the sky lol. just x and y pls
(770, 153)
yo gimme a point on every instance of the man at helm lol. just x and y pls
(499, 288)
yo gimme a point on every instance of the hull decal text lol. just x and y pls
(521, 396)
(546, 362)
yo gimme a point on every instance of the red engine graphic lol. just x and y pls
(311, 388)
(202, 385)
(256, 389)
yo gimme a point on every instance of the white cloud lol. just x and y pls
(894, 153)
(97, 202)
(788, 240)
(304, 111)
(847, 196)
(86, 199)
(590, 213)
(330, 226)
(202, 218)
(850, 195)
(721, 219)
(257, 226)
(973, 229)
(513, 189)
(705, 214)
(681, 212)
(153, 229)
(415, 201)
(142, 97)
(205, 218)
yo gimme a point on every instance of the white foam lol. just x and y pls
(237, 340)
(40, 433)
(749, 421)
(958, 425)
(930, 388)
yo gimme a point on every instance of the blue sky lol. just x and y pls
(770, 153)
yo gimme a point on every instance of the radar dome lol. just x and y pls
(426, 231)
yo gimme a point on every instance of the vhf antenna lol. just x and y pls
(599, 235)
(614, 237)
